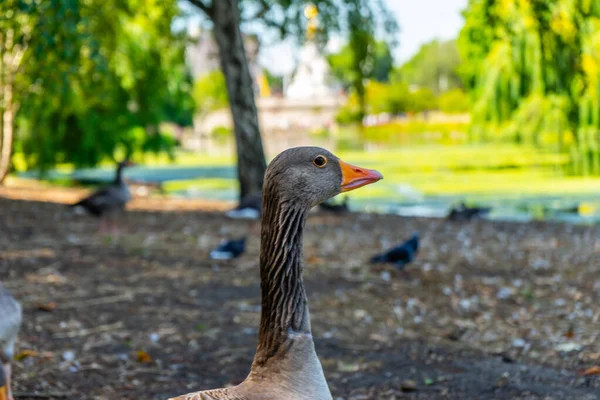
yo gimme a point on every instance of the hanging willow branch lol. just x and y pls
(533, 68)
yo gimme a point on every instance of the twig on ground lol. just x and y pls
(35, 395)
(97, 301)
(91, 331)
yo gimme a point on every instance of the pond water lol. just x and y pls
(518, 184)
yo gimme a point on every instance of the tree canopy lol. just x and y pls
(94, 77)
(533, 68)
(379, 68)
(210, 92)
(435, 66)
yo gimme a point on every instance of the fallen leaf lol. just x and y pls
(595, 370)
(143, 357)
(26, 353)
(570, 333)
(314, 260)
(49, 307)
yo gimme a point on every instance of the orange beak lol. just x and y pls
(355, 177)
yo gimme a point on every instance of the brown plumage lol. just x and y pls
(286, 365)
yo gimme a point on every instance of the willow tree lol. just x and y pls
(358, 19)
(85, 80)
(17, 19)
(533, 68)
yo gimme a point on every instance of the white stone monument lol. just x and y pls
(312, 79)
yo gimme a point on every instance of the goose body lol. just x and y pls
(10, 323)
(286, 366)
(109, 199)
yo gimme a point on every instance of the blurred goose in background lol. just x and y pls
(110, 199)
(249, 207)
(400, 255)
(466, 213)
(286, 366)
(340, 208)
(229, 249)
(10, 322)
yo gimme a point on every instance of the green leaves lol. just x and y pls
(435, 67)
(210, 92)
(94, 72)
(533, 70)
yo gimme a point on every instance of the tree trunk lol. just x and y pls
(7, 132)
(251, 164)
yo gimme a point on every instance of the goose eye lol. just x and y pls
(320, 161)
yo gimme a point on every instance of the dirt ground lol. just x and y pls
(489, 310)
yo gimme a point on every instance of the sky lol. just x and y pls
(420, 22)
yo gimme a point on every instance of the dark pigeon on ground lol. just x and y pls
(464, 213)
(249, 208)
(229, 249)
(400, 255)
(340, 208)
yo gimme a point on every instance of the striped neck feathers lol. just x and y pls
(284, 304)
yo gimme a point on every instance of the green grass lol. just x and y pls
(458, 157)
(186, 158)
(481, 170)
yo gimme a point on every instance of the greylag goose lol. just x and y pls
(109, 199)
(229, 249)
(249, 207)
(10, 323)
(401, 255)
(286, 366)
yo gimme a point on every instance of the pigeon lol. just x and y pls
(400, 255)
(229, 249)
(340, 208)
(465, 213)
(249, 208)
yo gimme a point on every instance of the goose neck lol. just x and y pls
(284, 305)
(119, 175)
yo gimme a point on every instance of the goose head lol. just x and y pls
(307, 176)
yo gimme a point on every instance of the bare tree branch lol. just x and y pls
(208, 10)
